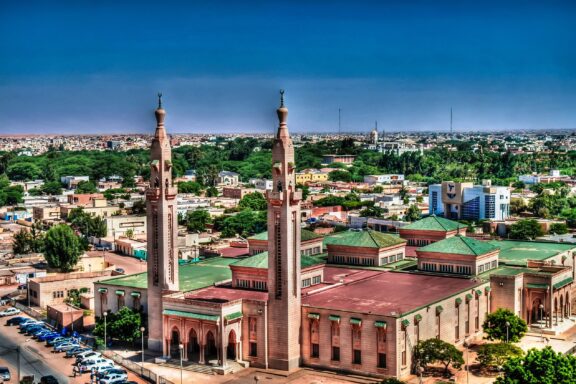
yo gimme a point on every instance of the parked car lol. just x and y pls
(55, 340)
(48, 380)
(63, 347)
(9, 312)
(111, 371)
(5, 374)
(87, 354)
(77, 350)
(120, 270)
(113, 378)
(16, 320)
(34, 328)
(48, 336)
(97, 364)
(24, 325)
(40, 332)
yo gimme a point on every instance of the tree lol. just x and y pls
(558, 228)
(392, 380)
(28, 241)
(495, 326)
(189, 187)
(413, 213)
(123, 325)
(254, 201)
(378, 189)
(62, 248)
(211, 192)
(373, 211)
(436, 350)
(340, 175)
(526, 229)
(495, 355)
(542, 366)
(196, 221)
(86, 187)
(139, 207)
(52, 188)
(129, 233)
(245, 223)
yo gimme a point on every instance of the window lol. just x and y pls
(243, 283)
(357, 358)
(57, 294)
(494, 264)
(316, 280)
(260, 285)
(306, 283)
(384, 260)
(315, 353)
(253, 349)
(335, 353)
(314, 339)
(381, 360)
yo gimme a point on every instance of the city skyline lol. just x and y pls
(96, 68)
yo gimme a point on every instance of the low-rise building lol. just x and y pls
(364, 247)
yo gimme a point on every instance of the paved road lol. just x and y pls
(129, 264)
(37, 359)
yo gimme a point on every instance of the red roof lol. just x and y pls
(226, 293)
(386, 293)
(234, 252)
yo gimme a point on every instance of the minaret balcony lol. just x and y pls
(171, 192)
(275, 196)
(296, 196)
(152, 194)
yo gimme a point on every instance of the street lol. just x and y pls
(37, 359)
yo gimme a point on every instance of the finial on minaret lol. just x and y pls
(159, 100)
(281, 98)
(282, 112)
(160, 115)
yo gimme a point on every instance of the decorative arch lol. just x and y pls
(210, 349)
(232, 345)
(175, 340)
(193, 345)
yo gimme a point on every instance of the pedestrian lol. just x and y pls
(93, 376)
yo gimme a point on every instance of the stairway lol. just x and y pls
(231, 367)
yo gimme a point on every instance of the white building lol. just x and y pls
(72, 181)
(469, 202)
(261, 184)
(383, 179)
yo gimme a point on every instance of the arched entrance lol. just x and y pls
(174, 344)
(538, 312)
(193, 346)
(561, 308)
(231, 349)
(210, 351)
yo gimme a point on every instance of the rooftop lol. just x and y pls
(260, 260)
(386, 293)
(227, 294)
(434, 223)
(460, 245)
(192, 276)
(305, 235)
(519, 252)
(367, 239)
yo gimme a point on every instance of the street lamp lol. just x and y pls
(105, 315)
(467, 345)
(142, 329)
(507, 327)
(421, 372)
(181, 348)
(18, 356)
(541, 306)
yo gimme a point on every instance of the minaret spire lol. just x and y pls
(160, 115)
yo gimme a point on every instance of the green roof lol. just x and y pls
(435, 223)
(191, 315)
(233, 316)
(366, 239)
(564, 282)
(460, 245)
(537, 285)
(192, 276)
(260, 260)
(519, 252)
(305, 235)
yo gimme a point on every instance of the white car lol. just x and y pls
(9, 312)
(113, 378)
(86, 366)
(85, 354)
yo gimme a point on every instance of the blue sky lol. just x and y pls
(96, 66)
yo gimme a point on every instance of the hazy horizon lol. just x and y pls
(95, 68)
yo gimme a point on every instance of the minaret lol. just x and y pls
(162, 229)
(284, 252)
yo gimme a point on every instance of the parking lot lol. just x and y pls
(35, 358)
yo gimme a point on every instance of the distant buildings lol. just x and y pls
(465, 201)
(344, 159)
(553, 176)
(383, 179)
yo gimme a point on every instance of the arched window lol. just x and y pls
(314, 339)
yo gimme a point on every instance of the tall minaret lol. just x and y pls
(162, 229)
(284, 252)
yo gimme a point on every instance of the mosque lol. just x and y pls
(360, 308)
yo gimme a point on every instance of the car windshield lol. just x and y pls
(4, 370)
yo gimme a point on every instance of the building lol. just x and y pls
(236, 192)
(310, 243)
(430, 229)
(359, 313)
(311, 176)
(344, 159)
(384, 179)
(552, 177)
(72, 181)
(261, 184)
(469, 202)
(228, 178)
(55, 289)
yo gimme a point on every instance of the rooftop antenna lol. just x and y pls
(451, 131)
